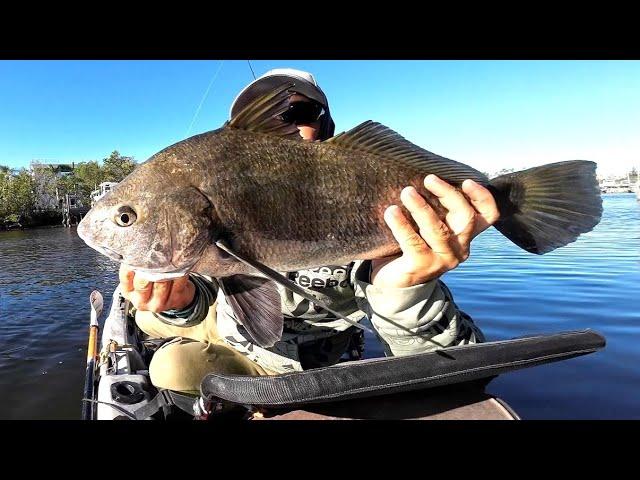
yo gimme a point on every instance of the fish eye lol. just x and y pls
(125, 216)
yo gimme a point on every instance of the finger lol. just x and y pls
(126, 279)
(159, 296)
(433, 230)
(142, 292)
(180, 283)
(404, 233)
(182, 293)
(461, 216)
(484, 203)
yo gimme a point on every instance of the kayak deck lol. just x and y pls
(459, 403)
(124, 386)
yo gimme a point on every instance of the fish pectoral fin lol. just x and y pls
(256, 304)
(285, 282)
(263, 114)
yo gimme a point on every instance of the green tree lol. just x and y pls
(116, 167)
(71, 184)
(4, 191)
(85, 178)
(17, 194)
(89, 175)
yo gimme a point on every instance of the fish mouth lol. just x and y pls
(112, 254)
(160, 274)
(156, 275)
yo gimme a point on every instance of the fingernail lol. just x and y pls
(430, 178)
(411, 191)
(392, 210)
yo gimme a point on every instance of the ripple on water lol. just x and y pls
(46, 277)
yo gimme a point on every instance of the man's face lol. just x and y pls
(308, 131)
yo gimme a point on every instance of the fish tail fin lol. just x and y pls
(547, 207)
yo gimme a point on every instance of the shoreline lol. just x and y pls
(35, 227)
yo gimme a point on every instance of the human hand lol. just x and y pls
(155, 296)
(438, 246)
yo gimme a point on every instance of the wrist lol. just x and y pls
(399, 277)
(195, 312)
(403, 281)
(187, 306)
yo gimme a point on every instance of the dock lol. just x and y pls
(72, 210)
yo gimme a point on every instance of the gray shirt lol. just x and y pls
(407, 320)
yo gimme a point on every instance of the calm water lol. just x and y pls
(46, 277)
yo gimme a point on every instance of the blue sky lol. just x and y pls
(488, 114)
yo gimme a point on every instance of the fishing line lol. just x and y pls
(204, 97)
(251, 68)
(282, 280)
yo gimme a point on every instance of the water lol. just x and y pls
(46, 277)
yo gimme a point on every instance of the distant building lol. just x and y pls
(60, 169)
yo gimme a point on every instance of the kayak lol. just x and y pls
(448, 384)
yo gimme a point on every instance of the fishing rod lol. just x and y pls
(96, 301)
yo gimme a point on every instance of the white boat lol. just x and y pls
(103, 189)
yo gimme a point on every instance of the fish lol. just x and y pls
(253, 197)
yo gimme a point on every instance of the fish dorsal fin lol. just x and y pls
(375, 138)
(263, 114)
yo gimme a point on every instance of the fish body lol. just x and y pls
(288, 204)
(292, 204)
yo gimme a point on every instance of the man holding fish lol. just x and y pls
(207, 314)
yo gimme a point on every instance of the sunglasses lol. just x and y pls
(303, 113)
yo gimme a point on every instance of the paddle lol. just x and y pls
(96, 301)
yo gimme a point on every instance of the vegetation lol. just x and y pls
(17, 193)
(32, 196)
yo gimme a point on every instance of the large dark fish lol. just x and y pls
(277, 200)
